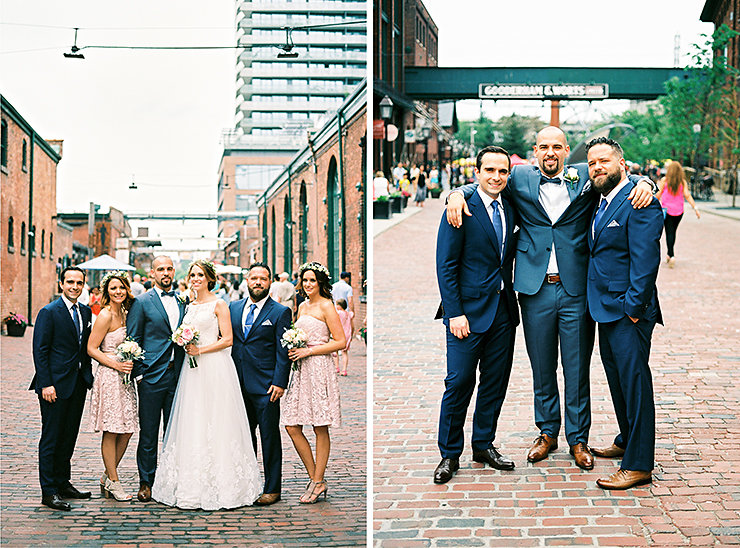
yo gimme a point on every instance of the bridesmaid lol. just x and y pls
(313, 395)
(113, 407)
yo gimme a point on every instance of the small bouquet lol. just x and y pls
(128, 351)
(295, 337)
(185, 335)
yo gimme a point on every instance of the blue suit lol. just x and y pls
(622, 270)
(470, 273)
(60, 360)
(148, 324)
(261, 361)
(555, 314)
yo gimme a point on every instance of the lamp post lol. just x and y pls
(473, 132)
(386, 111)
(426, 132)
(440, 140)
(696, 129)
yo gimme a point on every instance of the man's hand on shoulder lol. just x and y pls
(642, 194)
(456, 206)
(459, 326)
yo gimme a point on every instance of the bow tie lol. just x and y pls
(168, 293)
(544, 180)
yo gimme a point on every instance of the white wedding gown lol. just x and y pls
(207, 459)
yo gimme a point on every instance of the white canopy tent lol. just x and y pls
(105, 262)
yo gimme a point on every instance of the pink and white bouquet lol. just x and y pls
(295, 337)
(128, 351)
(184, 335)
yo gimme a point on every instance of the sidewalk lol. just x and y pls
(341, 521)
(720, 204)
(695, 497)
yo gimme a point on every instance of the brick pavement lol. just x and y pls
(695, 496)
(341, 521)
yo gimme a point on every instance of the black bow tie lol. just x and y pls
(545, 180)
(168, 293)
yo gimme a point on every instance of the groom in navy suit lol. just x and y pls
(263, 367)
(474, 273)
(622, 297)
(63, 377)
(153, 318)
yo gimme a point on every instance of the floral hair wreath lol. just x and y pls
(115, 274)
(316, 267)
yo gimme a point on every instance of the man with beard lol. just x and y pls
(623, 299)
(153, 318)
(555, 203)
(263, 367)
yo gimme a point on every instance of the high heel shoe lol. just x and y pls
(307, 493)
(103, 479)
(115, 489)
(314, 497)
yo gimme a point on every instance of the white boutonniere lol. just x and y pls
(181, 297)
(571, 177)
(586, 187)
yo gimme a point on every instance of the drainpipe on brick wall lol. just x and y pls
(289, 225)
(30, 228)
(341, 185)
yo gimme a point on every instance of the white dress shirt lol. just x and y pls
(608, 199)
(555, 200)
(257, 310)
(170, 306)
(488, 202)
(69, 304)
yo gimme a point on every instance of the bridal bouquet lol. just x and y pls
(295, 337)
(128, 351)
(185, 335)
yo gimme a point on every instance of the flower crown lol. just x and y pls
(115, 274)
(207, 262)
(316, 267)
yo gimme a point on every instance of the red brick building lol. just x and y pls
(316, 208)
(109, 227)
(725, 12)
(30, 245)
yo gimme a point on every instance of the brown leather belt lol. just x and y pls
(552, 278)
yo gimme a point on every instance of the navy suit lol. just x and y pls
(470, 272)
(261, 361)
(623, 267)
(149, 325)
(60, 360)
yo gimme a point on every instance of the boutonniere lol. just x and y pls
(586, 187)
(571, 177)
(181, 297)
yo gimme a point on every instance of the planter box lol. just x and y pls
(396, 204)
(405, 202)
(435, 192)
(381, 210)
(15, 330)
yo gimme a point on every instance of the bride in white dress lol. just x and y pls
(207, 459)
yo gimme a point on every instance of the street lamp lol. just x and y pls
(473, 133)
(386, 111)
(426, 132)
(440, 140)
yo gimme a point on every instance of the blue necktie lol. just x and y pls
(599, 213)
(76, 318)
(249, 320)
(498, 226)
(544, 180)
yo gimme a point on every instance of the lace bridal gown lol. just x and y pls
(207, 459)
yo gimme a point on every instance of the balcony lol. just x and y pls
(312, 71)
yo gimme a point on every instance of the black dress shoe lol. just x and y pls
(55, 502)
(445, 470)
(70, 492)
(494, 458)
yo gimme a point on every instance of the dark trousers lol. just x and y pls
(671, 225)
(265, 414)
(60, 424)
(492, 352)
(552, 319)
(155, 404)
(625, 349)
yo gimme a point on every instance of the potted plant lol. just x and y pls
(396, 200)
(381, 208)
(16, 324)
(435, 191)
(406, 195)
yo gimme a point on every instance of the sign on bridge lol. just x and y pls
(543, 91)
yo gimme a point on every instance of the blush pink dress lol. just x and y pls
(113, 404)
(313, 393)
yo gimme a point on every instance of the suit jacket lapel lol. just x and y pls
(236, 319)
(269, 303)
(611, 211)
(573, 189)
(509, 228)
(534, 191)
(159, 306)
(67, 319)
(478, 210)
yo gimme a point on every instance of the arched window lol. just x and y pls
(25, 155)
(32, 241)
(51, 245)
(4, 144)
(303, 212)
(23, 237)
(43, 241)
(335, 219)
(287, 237)
(11, 245)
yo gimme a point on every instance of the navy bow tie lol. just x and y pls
(168, 293)
(545, 180)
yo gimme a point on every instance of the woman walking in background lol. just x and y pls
(672, 191)
(113, 408)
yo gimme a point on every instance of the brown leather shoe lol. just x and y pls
(624, 479)
(583, 457)
(542, 447)
(610, 452)
(266, 499)
(145, 493)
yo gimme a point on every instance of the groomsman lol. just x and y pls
(474, 272)
(63, 377)
(622, 297)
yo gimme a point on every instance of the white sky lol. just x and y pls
(589, 33)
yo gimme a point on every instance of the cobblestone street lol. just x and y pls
(695, 496)
(341, 521)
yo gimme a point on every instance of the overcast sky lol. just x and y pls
(589, 33)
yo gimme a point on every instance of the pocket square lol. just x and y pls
(612, 224)
(516, 229)
(267, 322)
(586, 188)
